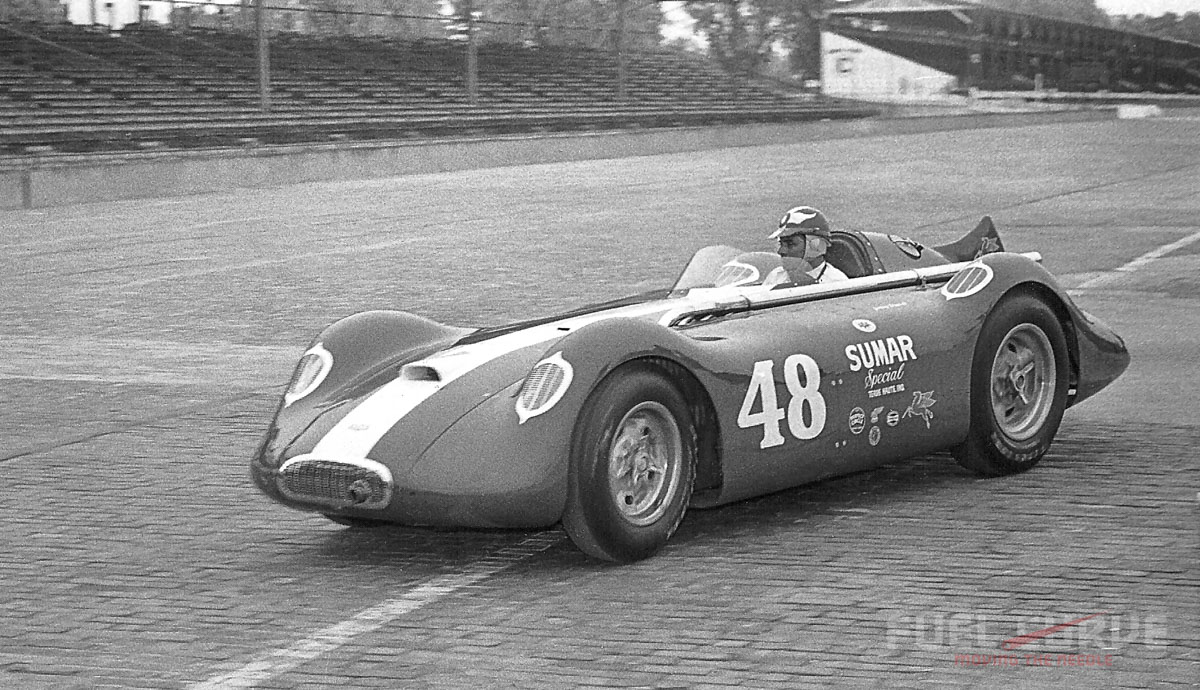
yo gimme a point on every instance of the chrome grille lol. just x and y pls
(544, 386)
(336, 483)
(541, 384)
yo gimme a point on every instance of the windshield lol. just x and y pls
(725, 267)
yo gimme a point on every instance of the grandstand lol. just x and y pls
(890, 49)
(66, 87)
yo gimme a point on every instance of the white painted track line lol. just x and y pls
(280, 661)
(259, 263)
(1138, 263)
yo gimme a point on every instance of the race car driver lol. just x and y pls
(804, 234)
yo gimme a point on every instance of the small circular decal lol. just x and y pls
(873, 437)
(864, 325)
(893, 418)
(858, 420)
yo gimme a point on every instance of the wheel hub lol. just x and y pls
(644, 462)
(1023, 381)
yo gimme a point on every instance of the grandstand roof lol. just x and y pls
(856, 6)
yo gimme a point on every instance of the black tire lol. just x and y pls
(355, 522)
(1019, 379)
(633, 464)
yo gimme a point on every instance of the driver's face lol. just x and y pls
(801, 246)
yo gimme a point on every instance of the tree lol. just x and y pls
(399, 18)
(1169, 25)
(743, 35)
(409, 19)
(30, 10)
(589, 23)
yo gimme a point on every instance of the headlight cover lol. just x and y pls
(314, 366)
(545, 385)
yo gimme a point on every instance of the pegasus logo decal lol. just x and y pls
(921, 403)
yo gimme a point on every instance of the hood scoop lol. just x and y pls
(420, 372)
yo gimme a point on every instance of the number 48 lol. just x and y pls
(805, 399)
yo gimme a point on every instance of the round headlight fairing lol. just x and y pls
(545, 385)
(312, 369)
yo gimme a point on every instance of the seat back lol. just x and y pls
(844, 255)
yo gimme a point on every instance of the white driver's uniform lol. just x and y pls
(826, 273)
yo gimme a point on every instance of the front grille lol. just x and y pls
(335, 483)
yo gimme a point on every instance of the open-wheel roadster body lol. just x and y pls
(613, 419)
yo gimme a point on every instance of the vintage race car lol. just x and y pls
(737, 381)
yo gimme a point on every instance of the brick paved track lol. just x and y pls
(145, 342)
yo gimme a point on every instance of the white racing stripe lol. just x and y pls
(280, 661)
(358, 432)
(1138, 263)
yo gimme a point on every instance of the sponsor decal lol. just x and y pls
(884, 382)
(864, 325)
(873, 436)
(875, 414)
(893, 417)
(886, 390)
(883, 352)
(857, 420)
(920, 407)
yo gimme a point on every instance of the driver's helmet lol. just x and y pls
(752, 268)
(802, 220)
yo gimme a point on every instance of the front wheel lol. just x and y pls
(633, 464)
(1019, 380)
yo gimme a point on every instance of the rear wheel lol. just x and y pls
(1018, 388)
(633, 464)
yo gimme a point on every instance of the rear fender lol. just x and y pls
(1097, 354)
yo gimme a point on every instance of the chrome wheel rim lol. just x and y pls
(1023, 382)
(644, 463)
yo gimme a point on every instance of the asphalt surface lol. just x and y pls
(144, 344)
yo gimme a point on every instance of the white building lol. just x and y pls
(118, 13)
(850, 69)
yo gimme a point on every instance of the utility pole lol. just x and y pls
(264, 56)
(622, 58)
(472, 75)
